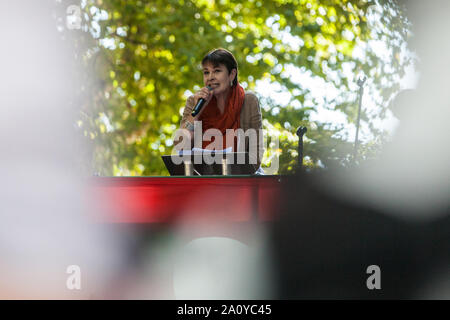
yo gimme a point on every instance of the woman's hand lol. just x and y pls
(204, 93)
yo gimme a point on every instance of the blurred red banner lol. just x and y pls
(184, 199)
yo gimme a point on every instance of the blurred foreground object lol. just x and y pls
(45, 234)
(392, 213)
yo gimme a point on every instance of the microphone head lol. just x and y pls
(301, 130)
(209, 88)
(361, 81)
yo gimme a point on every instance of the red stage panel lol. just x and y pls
(172, 199)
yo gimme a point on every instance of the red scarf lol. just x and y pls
(230, 119)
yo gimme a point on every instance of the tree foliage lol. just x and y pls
(145, 57)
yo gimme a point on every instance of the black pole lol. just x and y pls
(360, 83)
(300, 132)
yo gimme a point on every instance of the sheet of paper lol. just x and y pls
(199, 150)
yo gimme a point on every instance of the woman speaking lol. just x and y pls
(226, 106)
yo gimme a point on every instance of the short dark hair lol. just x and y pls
(222, 56)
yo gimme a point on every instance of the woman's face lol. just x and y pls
(217, 77)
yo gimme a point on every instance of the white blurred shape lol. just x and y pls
(44, 214)
(412, 178)
(220, 268)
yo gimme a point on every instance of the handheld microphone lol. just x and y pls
(198, 107)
